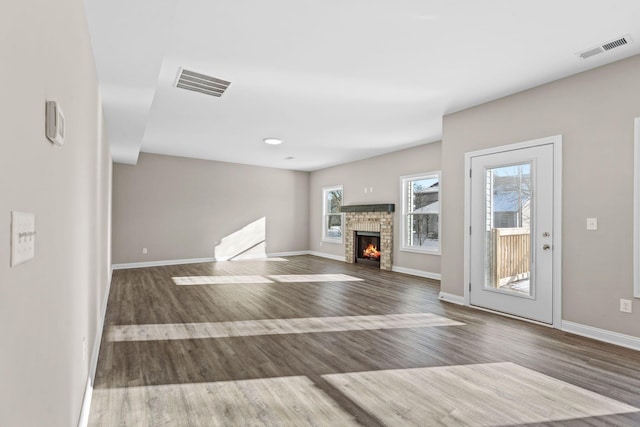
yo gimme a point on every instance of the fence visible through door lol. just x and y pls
(511, 258)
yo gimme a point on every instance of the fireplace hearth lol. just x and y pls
(367, 248)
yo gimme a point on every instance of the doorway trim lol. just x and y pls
(556, 142)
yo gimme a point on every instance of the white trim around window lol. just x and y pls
(427, 240)
(333, 233)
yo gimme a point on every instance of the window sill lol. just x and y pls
(421, 251)
(329, 240)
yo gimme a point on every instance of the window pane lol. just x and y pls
(333, 225)
(421, 212)
(332, 215)
(423, 193)
(508, 234)
(422, 231)
(334, 201)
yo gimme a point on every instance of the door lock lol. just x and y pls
(546, 234)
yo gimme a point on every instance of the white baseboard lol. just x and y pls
(452, 298)
(86, 405)
(98, 340)
(414, 272)
(263, 256)
(411, 271)
(199, 260)
(93, 363)
(293, 253)
(326, 255)
(602, 335)
(161, 263)
(227, 258)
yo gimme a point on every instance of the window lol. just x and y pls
(421, 213)
(331, 215)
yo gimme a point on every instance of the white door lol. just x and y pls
(511, 235)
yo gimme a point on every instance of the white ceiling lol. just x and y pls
(337, 80)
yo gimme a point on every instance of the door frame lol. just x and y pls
(556, 142)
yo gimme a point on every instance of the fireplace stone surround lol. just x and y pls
(372, 218)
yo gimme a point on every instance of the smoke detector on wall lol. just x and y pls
(620, 41)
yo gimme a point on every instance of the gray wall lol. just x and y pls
(50, 304)
(383, 174)
(594, 112)
(180, 208)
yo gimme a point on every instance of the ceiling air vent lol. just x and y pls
(202, 83)
(615, 43)
(605, 47)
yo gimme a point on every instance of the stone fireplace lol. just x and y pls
(368, 221)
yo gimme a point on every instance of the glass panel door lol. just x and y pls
(508, 228)
(511, 235)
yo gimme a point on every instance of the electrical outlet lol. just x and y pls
(592, 224)
(144, 251)
(625, 305)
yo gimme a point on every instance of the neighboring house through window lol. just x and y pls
(511, 196)
(420, 226)
(332, 218)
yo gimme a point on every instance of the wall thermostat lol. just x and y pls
(54, 123)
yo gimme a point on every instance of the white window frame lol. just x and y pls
(404, 180)
(325, 214)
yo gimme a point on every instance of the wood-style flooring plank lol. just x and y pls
(187, 378)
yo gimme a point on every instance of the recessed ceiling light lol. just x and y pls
(272, 141)
(289, 158)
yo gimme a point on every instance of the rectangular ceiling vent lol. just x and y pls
(202, 83)
(605, 47)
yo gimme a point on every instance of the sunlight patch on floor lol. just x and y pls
(263, 259)
(218, 280)
(471, 395)
(243, 328)
(292, 278)
(283, 278)
(294, 401)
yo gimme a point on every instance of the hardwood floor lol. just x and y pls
(309, 341)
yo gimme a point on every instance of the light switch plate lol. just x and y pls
(23, 237)
(592, 224)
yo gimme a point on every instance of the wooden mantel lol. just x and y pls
(384, 207)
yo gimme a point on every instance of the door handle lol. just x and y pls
(546, 247)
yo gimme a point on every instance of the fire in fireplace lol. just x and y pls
(371, 251)
(367, 248)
